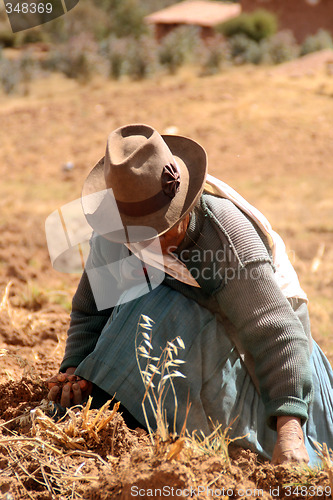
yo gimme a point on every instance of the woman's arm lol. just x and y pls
(271, 332)
(86, 325)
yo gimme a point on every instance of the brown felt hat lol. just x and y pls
(150, 181)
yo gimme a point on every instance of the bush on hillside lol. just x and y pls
(142, 58)
(279, 48)
(10, 75)
(16, 74)
(273, 50)
(130, 57)
(321, 40)
(79, 58)
(212, 55)
(244, 50)
(257, 25)
(178, 47)
(115, 51)
(126, 17)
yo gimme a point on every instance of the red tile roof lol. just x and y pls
(197, 12)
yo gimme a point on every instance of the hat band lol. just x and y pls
(144, 207)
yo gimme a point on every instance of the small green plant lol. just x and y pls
(216, 443)
(257, 25)
(61, 298)
(163, 368)
(33, 297)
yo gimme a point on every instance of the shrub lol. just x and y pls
(128, 56)
(245, 50)
(16, 74)
(257, 25)
(10, 75)
(178, 47)
(279, 48)
(126, 16)
(321, 40)
(77, 59)
(212, 55)
(115, 51)
(142, 59)
(273, 50)
(86, 18)
(28, 68)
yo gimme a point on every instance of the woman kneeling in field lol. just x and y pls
(229, 292)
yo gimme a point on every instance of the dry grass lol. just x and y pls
(56, 457)
(50, 456)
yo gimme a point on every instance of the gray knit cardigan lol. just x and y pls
(230, 259)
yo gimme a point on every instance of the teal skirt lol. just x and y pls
(215, 382)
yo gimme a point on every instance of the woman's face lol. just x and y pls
(171, 239)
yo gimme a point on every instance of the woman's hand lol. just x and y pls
(289, 445)
(68, 388)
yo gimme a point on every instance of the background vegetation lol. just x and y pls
(110, 38)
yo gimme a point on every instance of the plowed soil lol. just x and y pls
(270, 137)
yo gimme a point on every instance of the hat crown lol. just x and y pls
(134, 163)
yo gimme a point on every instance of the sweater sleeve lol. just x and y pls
(87, 320)
(267, 326)
(271, 332)
(85, 327)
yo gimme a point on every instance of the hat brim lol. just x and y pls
(191, 159)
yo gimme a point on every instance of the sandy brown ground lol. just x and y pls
(266, 134)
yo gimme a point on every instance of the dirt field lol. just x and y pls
(267, 134)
